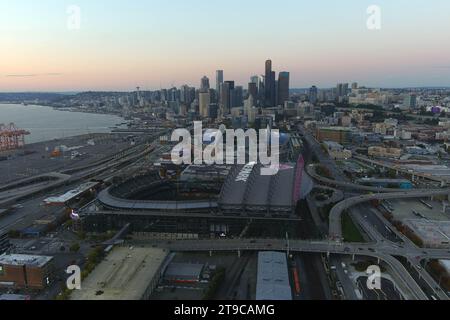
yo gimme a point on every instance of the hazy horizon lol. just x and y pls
(162, 43)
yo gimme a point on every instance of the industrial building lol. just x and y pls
(26, 271)
(127, 273)
(183, 273)
(273, 277)
(340, 135)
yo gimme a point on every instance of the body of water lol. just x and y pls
(45, 123)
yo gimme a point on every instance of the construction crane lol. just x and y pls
(11, 137)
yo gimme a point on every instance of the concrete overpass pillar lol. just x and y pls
(210, 253)
(328, 255)
(239, 253)
(353, 257)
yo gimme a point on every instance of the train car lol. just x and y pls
(297, 287)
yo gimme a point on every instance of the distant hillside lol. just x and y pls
(20, 97)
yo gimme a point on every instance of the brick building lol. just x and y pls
(25, 271)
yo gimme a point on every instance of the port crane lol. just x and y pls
(11, 137)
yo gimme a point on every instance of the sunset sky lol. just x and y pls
(123, 44)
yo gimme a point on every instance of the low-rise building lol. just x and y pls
(183, 273)
(273, 277)
(26, 271)
(337, 151)
(340, 135)
(382, 152)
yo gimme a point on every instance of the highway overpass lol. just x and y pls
(335, 221)
(383, 252)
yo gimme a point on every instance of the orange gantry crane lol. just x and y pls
(11, 137)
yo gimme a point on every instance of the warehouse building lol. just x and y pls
(340, 135)
(273, 277)
(25, 271)
(183, 273)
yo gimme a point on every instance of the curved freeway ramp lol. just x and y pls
(415, 292)
(28, 187)
(335, 231)
(346, 185)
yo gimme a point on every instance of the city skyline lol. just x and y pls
(319, 44)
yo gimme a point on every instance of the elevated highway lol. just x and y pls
(335, 231)
(383, 252)
(311, 170)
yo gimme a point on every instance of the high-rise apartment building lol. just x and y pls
(204, 84)
(269, 85)
(226, 96)
(204, 100)
(313, 93)
(219, 80)
(283, 88)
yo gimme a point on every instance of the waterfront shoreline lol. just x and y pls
(45, 124)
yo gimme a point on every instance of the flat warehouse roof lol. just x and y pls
(125, 274)
(184, 270)
(273, 278)
(24, 259)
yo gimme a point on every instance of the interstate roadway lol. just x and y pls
(381, 251)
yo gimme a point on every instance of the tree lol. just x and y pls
(75, 247)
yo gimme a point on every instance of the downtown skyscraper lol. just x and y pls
(204, 84)
(226, 97)
(269, 86)
(219, 80)
(283, 87)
